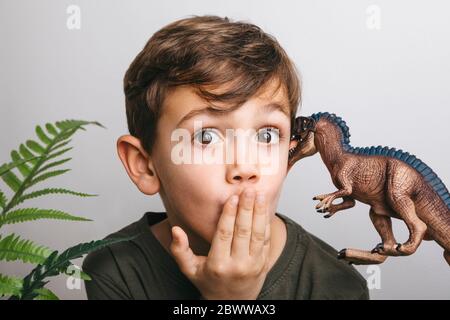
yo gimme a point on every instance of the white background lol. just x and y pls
(391, 85)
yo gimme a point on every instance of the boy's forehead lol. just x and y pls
(183, 101)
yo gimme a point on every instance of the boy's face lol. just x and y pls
(194, 193)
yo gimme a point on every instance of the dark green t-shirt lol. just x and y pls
(142, 269)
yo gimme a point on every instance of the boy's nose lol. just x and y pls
(243, 174)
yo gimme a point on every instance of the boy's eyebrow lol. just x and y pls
(270, 107)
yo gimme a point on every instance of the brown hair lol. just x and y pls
(204, 52)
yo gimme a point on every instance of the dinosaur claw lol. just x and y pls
(378, 248)
(399, 245)
(314, 198)
(327, 216)
(341, 254)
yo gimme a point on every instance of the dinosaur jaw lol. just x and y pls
(304, 148)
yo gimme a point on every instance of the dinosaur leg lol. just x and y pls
(378, 255)
(447, 256)
(357, 256)
(327, 199)
(344, 184)
(383, 225)
(404, 207)
(348, 202)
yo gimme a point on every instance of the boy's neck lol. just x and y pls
(278, 235)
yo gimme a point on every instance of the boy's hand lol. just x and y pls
(238, 260)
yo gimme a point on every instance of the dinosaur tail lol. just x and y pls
(447, 256)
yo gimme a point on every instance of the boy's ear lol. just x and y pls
(138, 164)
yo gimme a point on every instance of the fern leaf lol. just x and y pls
(56, 264)
(10, 286)
(66, 135)
(60, 152)
(30, 214)
(47, 175)
(3, 199)
(45, 191)
(26, 153)
(12, 248)
(60, 145)
(11, 180)
(45, 151)
(9, 166)
(22, 166)
(36, 147)
(51, 129)
(45, 294)
(42, 136)
(76, 272)
(77, 251)
(53, 164)
(84, 276)
(69, 124)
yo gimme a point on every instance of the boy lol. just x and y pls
(220, 237)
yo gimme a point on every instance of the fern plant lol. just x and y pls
(37, 162)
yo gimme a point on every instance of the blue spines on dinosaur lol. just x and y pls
(430, 177)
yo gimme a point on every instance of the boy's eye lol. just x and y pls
(268, 135)
(206, 136)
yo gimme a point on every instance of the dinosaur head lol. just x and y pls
(303, 132)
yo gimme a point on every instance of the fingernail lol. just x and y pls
(260, 198)
(234, 200)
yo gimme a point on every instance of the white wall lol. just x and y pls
(391, 85)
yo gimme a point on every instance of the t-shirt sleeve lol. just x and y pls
(106, 281)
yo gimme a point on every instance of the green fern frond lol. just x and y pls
(56, 264)
(3, 199)
(10, 286)
(9, 166)
(46, 148)
(76, 272)
(60, 144)
(35, 146)
(42, 135)
(12, 180)
(23, 167)
(55, 154)
(45, 294)
(13, 248)
(45, 191)
(53, 164)
(47, 175)
(51, 129)
(30, 214)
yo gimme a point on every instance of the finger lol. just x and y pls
(223, 237)
(183, 254)
(266, 249)
(258, 236)
(240, 246)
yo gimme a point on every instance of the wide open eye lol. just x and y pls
(206, 137)
(268, 135)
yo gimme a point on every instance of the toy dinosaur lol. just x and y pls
(395, 184)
